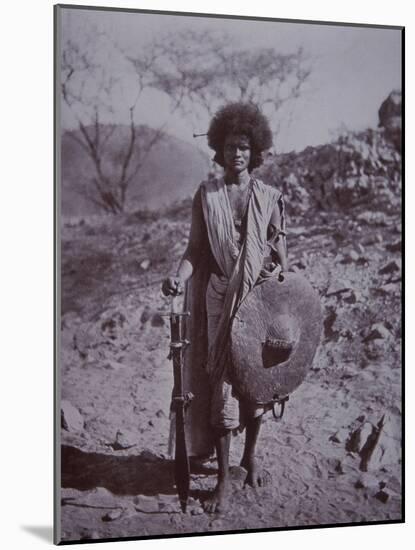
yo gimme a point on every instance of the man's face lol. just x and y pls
(237, 153)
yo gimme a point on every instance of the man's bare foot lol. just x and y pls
(256, 477)
(218, 501)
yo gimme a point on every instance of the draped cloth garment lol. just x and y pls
(204, 367)
(241, 267)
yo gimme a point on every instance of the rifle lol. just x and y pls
(180, 402)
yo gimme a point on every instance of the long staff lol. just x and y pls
(180, 402)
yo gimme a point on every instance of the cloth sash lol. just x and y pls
(240, 266)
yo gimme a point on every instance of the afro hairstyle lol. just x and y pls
(240, 118)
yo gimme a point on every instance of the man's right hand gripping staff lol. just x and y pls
(172, 286)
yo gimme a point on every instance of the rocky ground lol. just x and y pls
(336, 455)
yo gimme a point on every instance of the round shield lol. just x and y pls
(274, 338)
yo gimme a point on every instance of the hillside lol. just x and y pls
(171, 170)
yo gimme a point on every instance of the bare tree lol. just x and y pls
(88, 87)
(203, 70)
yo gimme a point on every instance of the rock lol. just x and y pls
(374, 445)
(375, 350)
(122, 441)
(338, 286)
(148, 505)
(169, 503)
(373, 218)
(352, 296)
(145, 264)
(112, 325)
(391, 267)
(365, 433)
(383, 496)
(146, 315)
(353, 442)
(71, 418)
(113, 515)
(377, 331)
(396, 246)
(100, 496)
(89, 535)
(350, 257)
(114, 365)
(390, 108)
(157, 320)
(388, 288)
(340, 436)
(384, 448)
(373, 239)
(368, 481)
(359, 484)
(390, 118)
(194, 507)
(334, 467)
(197, 511)
(358, 437)
(299, 264)
(381, 448)
(329, 323)
(85, 338)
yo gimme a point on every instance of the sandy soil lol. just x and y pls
(117, 479)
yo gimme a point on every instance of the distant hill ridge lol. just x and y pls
(171, 171)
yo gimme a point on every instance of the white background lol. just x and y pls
(26, 268)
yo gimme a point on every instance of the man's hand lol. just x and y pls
(268, 270)
(172, 286)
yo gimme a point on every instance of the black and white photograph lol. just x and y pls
(228, 202)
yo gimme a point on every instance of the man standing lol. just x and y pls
(237, 237)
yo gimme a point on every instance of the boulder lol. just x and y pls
(338, 286)
(340, 436)
(123, 441)
(390, 118)
(383, 496)
(146, 504)
(71, 418)
(146, 315)
(157, 320)
(377, 331)
(395, 246)
(113, 515)
(352, 296)
(391, 267)
(359, 431)
(112, 325)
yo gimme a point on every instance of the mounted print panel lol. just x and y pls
(229, 278)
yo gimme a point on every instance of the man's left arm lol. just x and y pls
(277, 236)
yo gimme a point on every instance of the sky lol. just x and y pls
(353, 70)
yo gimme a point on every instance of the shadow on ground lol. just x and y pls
(122, 475)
